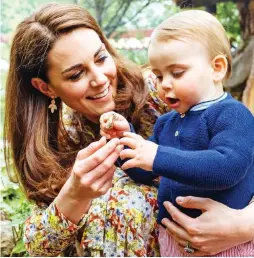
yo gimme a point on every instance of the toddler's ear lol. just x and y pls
(220, 67)
(43, 87)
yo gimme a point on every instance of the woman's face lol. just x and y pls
(82, 73)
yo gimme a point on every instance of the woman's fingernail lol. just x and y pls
(179, 199)
(119, 148)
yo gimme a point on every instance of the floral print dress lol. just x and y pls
(120, 223)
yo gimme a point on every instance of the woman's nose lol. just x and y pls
(98, 78)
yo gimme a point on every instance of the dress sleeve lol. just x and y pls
(47, 232)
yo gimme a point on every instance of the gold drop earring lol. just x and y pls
(52, 105)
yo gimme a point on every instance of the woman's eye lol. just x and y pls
(102, 59)
(178, 74)
(76, 76)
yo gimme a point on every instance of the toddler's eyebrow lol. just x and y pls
(176, 65)
(172, 66)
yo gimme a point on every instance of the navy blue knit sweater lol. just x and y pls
(204, 153)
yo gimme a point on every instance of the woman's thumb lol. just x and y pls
(192, 202)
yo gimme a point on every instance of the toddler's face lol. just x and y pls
(184, 73)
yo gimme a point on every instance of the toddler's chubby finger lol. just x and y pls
(130, 142)
(127, 153)
(132, 135)
(129, 164)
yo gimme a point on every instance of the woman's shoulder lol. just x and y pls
(68, 129)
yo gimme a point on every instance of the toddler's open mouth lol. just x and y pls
(173, 100)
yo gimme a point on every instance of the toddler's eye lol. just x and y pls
(178, 74)
(159, 77)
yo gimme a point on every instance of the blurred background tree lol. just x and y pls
(128, 24)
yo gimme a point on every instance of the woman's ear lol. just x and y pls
(43, 87)
(220, 67)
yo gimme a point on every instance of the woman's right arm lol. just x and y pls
(48, 232)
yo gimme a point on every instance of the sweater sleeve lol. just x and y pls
(47, 232)
(226, 161)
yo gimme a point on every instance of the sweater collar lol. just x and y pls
(207, 104)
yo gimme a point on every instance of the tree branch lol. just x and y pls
(115, 19)
(118, 23)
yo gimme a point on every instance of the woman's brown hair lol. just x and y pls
(30, 129)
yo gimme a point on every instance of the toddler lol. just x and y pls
(205, 146)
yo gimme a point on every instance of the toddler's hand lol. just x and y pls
(141, 154)
(113, 125)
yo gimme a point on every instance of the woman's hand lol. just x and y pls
(113, 125)
(90, 178)
(217, 229)
(141, 153)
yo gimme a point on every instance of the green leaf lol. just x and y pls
(19, 248)
(17, 222)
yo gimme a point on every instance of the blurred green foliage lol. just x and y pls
(228, 15)
(16, 207)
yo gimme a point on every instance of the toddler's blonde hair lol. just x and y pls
(196, 25)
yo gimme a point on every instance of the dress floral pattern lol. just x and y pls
(120, 223)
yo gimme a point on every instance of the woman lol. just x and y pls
(63, 75)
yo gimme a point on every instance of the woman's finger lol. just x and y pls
(91, 148)
(106, 186)
(101, 169)
(196, 253)
(127, 153)
(192, 202)
(183, 243)
(176, 230)
(130, 142)
(86, 165)
(104, 183)
(178, 216)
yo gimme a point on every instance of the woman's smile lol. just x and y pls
(100, 95)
